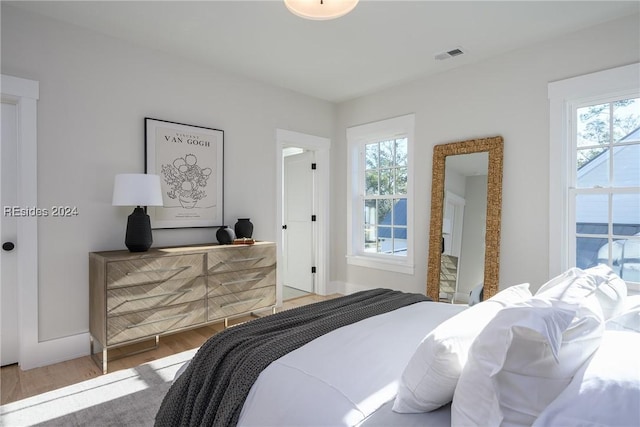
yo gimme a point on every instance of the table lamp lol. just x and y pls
(137, 189)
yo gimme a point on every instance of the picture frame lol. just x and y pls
(190, 162)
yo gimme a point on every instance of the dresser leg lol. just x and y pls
(104, 360)
(101, 363)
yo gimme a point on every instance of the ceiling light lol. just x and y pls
(320, 9)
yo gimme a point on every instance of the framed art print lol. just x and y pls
(189, 161)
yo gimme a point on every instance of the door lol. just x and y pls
(8, 233)
(298, 225)
(453, 223)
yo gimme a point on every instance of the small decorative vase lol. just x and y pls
(244, 228)
(225, 235)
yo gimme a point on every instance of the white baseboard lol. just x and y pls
(57, 350)
(345, 288)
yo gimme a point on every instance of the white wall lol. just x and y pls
(94, 94)
(504, 96)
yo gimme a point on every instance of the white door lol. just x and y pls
(298, 226)
(8, 234)
(453, 223)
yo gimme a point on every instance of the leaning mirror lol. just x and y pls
(464, 234)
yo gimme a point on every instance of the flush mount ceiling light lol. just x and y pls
(320, 10)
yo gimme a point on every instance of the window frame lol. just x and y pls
(565, 97)
(357, 138)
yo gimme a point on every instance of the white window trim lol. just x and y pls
(563, 96)
(356, 136)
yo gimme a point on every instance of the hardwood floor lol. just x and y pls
(16, 384)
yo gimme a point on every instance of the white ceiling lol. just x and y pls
(378, 45)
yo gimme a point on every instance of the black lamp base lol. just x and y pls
(138, 237)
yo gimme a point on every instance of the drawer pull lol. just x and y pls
(178, 316)
(159, 270)
(229, 261)
(166, 294)
(244, 301)
(235, 282)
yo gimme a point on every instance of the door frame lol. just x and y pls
(24, 94)
(321, 147)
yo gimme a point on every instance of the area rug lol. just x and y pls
(129, 397)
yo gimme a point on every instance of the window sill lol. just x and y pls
(380, 264)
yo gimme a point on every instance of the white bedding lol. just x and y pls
(314, 385)
(350, 377)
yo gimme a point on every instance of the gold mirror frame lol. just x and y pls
(494, 146)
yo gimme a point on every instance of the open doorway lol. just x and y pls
(303, 214)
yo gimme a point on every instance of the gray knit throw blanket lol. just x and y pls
(213, 388)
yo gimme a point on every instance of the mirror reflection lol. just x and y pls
(463, 226)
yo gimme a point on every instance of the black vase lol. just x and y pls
(225, 235)
(244, 228)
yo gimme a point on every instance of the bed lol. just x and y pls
(515, 359)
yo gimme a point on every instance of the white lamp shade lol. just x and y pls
(137, 189)
(320, 9)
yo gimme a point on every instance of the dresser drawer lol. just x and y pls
(154, 295)
(150, 270)
(241, 302)
(241, 258)
(238, 281)
(154, 322)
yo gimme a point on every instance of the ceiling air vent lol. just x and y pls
(449, 54)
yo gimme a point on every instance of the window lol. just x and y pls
(600, 139)
(380, 214)
(385, 197)
(606, 196)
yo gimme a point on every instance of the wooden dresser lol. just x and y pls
(137, 296)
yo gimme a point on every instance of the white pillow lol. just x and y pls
(605, 391)
(611, 292)
(430, 377)
(629, 318)
(606, 287)
(528, 354)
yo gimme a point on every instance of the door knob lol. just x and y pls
(8, 246)
(284, 227)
